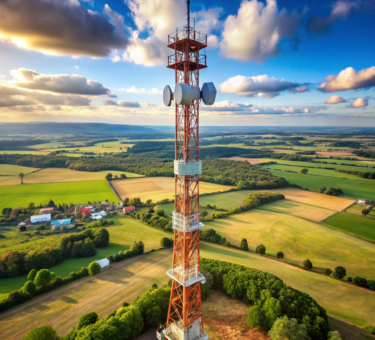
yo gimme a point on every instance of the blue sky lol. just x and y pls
(104, 61)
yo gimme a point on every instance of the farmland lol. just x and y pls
(75, 192)
(355, 225)
(354, 188)
(53, 175)
(347, 302)
(14, 170)
(298, 209)
(124, 281)
(299, 239)
(356, 209)
(157, 188)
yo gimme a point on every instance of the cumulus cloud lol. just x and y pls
(59, 83)
(256, 31)
(123, 103)
(340, 10)
(227, 106)
(335, 99)
(261, 86)
(358, 103)
(60, 27)
(134, 90)
(349, 79)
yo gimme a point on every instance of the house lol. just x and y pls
(46, 211)
(22, 224)
(104, 264)
(57, 224)
(98, 215)
(361, 201)
(128, 209)
(86, 211)
(40, 218)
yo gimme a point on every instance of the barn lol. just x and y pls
(128, 209)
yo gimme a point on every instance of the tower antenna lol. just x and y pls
(188, 14)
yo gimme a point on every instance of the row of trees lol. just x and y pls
(368, 174)
(331, 191)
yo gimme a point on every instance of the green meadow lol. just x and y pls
(359, 226)
(69, 192)
(356, 188)
(14, 170)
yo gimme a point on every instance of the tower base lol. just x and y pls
(193, 332)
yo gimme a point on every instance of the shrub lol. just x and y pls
(110, 258)
(204, 213)
(284, 328)
(29, 286)
(41, 333)
(160, 212)
(261, 249)
(327, 271)
(304, 171)
(335, 335)
(87, 319)
(360, 281)
(205, 291)
(244, 246)
(42, 277)
(339, 272)
(22, 228)
(94, 268)
(280, 255)
(32, 274)
(138, 248)
(166, 242)
(307, 264)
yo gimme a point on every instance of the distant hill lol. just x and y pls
(75, 128)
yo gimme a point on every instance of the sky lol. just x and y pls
(273, 63)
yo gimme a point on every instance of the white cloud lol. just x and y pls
(262, 86)
(255, 32)
(59, 83)
(155, 91)
(123, 103)
(349, 79)
(77, 67)
(134, 90)
(335, 99)
(358, 103)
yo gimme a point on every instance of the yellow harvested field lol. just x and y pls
(336, 153)
(157, 188)
(303, 210)
(367, 162)
(252, 161)
(55, 175)
(313, 198)
(102, 293)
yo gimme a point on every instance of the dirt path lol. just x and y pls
(102, 293)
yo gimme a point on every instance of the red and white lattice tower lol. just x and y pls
(185, 319)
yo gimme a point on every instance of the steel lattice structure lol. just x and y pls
(185, 318)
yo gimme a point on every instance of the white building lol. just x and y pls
(98, 215)
(104, 264)
(40, 218)
(361, 202)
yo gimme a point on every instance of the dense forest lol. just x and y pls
(365, 153)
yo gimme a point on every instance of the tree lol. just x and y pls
(29, 286)
(304, 171)
(160, 212)
(108, 176)
(51, 204)
(42, 277)
(22, 228)
(339, 272)
(365, 212)
(307, 264)
(261, 249)
(31, 206)
(284, 329)
(123, 176)
(94, 268)
(244, 246)
(87, 319)
(256, 318)
(135, 201)
(327, 271)
(322, 189)
(41, 333)
(53, 276)
(138, 247)
(280, 255)
(21, 175)
(126, 201)
(166, 242)
(335, 335)
(32, 274)
(204, 213)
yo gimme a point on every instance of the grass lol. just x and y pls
(226, 200)
(157, 188)
(123, 233)
(53, 175)
(354, 188)
(31, 152)
(70, 192)
(298, 209)
(354, 225)
(299, 239)
(14, 170)
(356, 209)
(102, 293)
(347, 302)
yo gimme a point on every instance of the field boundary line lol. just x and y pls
(114, 191)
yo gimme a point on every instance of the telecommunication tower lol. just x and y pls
(185, 318)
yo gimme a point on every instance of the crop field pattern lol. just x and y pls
(56, 175)
(69, 192)
(157, 188)
(299, 239)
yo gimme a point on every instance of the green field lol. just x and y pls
(15, 196)
(299, 239)
(347, 302)
(227, 200)
(356, 209)
(357, 188)
(31, 152)
(14, 170)
(123, 233)
(354, 225)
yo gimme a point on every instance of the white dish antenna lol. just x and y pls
(184, 94)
